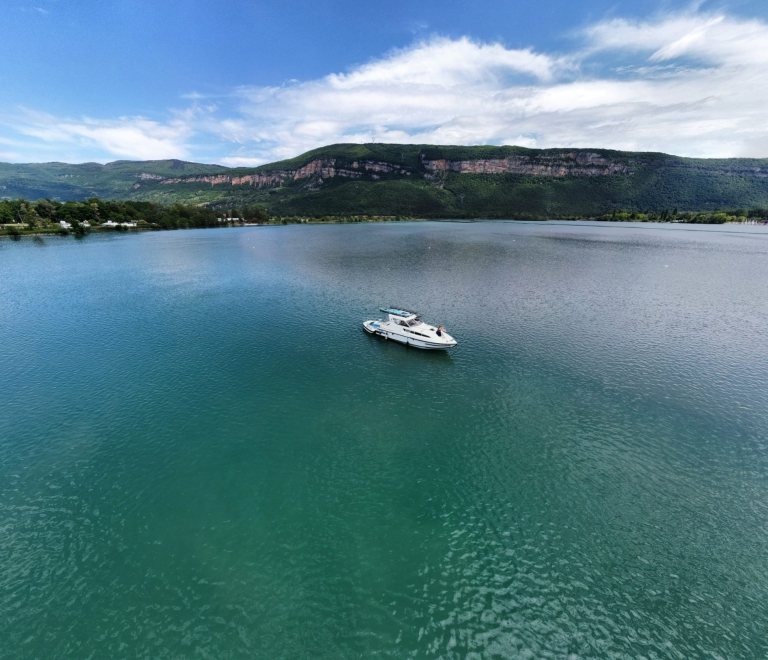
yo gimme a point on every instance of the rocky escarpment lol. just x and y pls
(418, 179)
(578, 163)
(322, 168)
(558, 165)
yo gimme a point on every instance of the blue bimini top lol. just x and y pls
(396, 312)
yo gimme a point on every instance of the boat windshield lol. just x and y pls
(414, 322)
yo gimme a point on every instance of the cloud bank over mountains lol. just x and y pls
(691, 84)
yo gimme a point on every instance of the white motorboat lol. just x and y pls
(407, 328)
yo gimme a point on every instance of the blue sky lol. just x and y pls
(242, 82)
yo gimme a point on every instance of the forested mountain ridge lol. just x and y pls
(418, 180)
(65, 182)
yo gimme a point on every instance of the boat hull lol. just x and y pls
(380, 329)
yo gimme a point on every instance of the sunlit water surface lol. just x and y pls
(203, 456)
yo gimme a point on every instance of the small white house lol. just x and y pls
(112, 223)
(64, 224)
(85, 223)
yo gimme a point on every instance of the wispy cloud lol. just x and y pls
(240, 161)
(681, 89)
(130, 137)
(715, 39)
(692, 83)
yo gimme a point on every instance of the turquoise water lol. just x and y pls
(203, 456)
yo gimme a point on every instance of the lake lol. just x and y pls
(202, 455)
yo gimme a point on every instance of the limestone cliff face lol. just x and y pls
(259, 180)
(560, 164)
(579, 163)
(323, 168)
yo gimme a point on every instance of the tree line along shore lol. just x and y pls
(44, 216)
(47, 216)
(19, 216)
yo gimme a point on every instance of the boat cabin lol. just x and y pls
(402, 317)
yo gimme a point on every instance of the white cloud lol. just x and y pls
(133, 137)
(129, 137)
(240, 161)
(693, 84)
(521, 141)
(716, 39)
(445, 62)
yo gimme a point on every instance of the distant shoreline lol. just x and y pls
(58, 231)
(53, 230)
(21, 217)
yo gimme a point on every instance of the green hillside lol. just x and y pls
(404, 183)
(63, 182)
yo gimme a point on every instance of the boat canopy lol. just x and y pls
(396, 312)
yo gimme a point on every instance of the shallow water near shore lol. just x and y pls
(203, 455)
